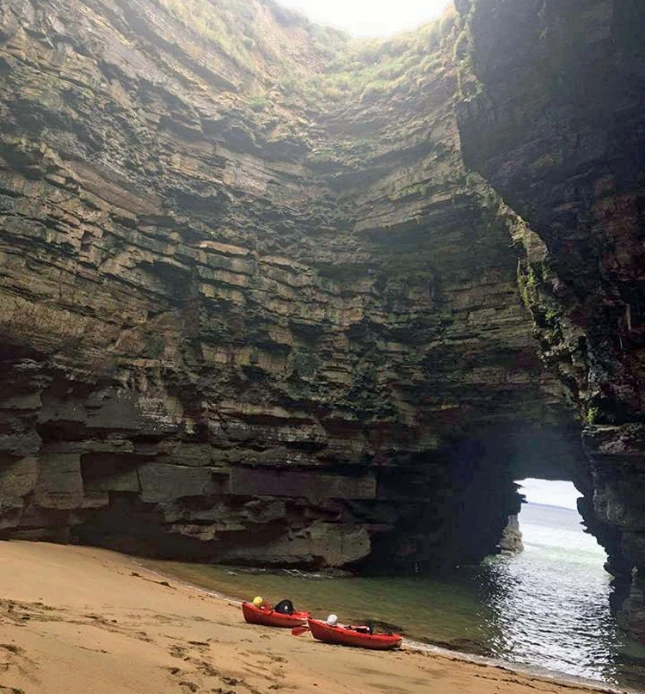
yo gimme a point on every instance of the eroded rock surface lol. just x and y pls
(255, 307)
(511, 542)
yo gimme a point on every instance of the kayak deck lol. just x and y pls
(269, 617)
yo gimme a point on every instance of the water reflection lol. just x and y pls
(551, 603)
(550, 618)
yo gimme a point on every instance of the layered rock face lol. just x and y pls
(261, 304)
(240, 326)
(553, 118)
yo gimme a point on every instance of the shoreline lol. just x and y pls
(77, 619)
(555, 676)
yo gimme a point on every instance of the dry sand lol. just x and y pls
(78, 620)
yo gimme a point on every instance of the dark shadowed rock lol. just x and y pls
(553, 119)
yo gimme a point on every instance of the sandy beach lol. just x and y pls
(75, 620)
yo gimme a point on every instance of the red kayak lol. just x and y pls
(270, 618)
(353, 636)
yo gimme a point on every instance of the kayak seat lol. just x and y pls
(284, 607)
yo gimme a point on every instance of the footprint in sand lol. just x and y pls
(198, 665)
(20, 612)
(206, 669)
(186, 684)
(178, 652)
(16, 658)
(277, 673)
(232, 681)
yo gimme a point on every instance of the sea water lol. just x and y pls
(546, 608)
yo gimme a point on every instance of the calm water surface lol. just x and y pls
(547, 607)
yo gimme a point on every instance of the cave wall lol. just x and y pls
(237, 326)
(552, 117)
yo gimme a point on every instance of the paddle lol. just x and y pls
(298, 631)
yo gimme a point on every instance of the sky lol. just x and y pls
(553, 493)
(369, 17)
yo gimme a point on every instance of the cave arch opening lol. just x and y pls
(456, 503)
(549, 520)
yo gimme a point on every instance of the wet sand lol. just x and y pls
(75, 620)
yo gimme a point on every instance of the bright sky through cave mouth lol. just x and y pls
(370, 17)
(548, 492)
